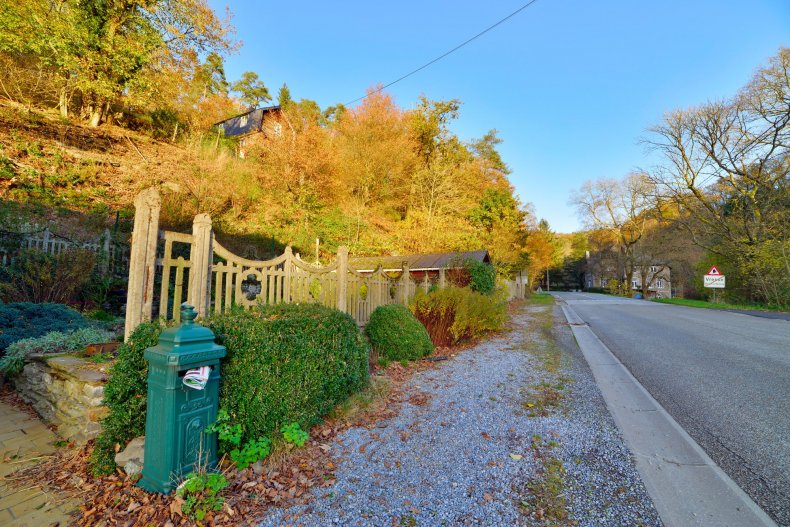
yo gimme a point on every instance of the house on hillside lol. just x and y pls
(251, 125)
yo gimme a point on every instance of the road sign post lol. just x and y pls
(714, 280)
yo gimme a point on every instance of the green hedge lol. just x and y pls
(482, 276)
(125, 395)
(22, 320)
(287, 363)
(396, 335)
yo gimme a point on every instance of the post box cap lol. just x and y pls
(190, 341)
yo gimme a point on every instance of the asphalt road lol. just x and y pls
(723, 376)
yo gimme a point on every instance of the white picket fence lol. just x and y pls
(113, 255)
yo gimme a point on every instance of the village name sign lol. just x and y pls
(714, 279)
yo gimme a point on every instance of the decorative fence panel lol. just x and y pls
(196, 268)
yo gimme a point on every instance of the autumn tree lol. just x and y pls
(544, 251)
(109, 50)
(300, 164)
(500, 222)
(377, 155)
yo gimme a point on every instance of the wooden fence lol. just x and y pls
(175, 267)
(112, 255)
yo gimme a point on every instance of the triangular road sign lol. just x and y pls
(713, 271)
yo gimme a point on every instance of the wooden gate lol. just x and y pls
(196, 268)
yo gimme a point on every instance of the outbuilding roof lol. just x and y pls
(419, 262)
(245, 123)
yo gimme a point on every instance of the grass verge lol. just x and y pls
(540, 298)
(719, 305)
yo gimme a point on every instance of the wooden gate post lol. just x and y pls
(442, 278)
(405, 283)
(342, 278)
(142, 259)
(287, 267)
(200, 257)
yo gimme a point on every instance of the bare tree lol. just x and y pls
(621, 207)
(726, 171)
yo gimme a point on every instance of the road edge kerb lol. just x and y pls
(693, 492)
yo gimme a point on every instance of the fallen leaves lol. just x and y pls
(516, 457)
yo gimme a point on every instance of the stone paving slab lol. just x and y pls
(22, 440)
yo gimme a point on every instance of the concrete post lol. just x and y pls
(200, 258)
(142, 259)
(442, 278)
(342, 278)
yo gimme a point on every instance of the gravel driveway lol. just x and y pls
(472, 454)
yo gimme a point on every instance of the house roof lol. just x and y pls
(245, 123)
(419, 262)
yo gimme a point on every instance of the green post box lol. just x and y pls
(175, 427)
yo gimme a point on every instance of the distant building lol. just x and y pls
(600, 269)
(249, 126)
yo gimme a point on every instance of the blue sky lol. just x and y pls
(571, 86)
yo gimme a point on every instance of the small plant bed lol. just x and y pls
(94, 344)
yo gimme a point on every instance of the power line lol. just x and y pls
(440, 57)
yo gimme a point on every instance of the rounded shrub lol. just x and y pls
(287, 363)
(396, 335)
(125, 395)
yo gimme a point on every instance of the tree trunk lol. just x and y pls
(63, 102)
(108, 118)
(94, 112)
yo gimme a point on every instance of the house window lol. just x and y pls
(653, 269)
(277, 129)
(634, 284)
(660, 283)
(243, 120)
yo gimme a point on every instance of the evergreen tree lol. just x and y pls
(252, 91)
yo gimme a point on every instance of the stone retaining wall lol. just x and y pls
(67, 392)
